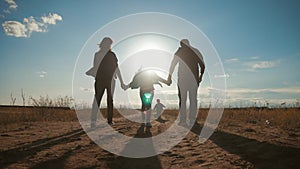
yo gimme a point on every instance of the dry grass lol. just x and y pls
(12, 118)
(284, 118)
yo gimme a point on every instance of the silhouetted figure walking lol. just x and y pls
(188, 59)
(145, 79)
(158, 108)
(105, 71)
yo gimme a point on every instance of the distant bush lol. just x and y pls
(46, 101)
(12, 118)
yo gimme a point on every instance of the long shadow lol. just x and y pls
(54, 163)
(137, 163)
(260, 154)
(16, 154)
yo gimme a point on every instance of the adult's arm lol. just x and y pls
(172, 67)
(163, 80)
(118, 72)
(201, 64)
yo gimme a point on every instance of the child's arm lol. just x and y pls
(163, 80)
(128, 86)
(132, 85)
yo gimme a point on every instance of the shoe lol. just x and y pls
(148, 125)
(111, 123)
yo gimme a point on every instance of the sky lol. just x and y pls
(258, 43)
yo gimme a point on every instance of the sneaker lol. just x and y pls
(111, 123)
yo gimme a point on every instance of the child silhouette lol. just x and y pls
(145, 80)
(158, 108)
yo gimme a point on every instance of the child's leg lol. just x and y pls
(146, 105)
(155, 114)
(159, 113)
(148, 117)
(143, 114)
(143, 117)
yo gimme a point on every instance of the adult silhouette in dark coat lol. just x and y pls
(105, 71)
(188, 59)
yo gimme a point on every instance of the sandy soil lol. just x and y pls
(65, 145)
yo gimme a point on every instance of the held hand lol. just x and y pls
(169, 81)
(125, 87)
(199, 80)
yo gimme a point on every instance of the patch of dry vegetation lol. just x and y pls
(284, 118)
(45, 109)
(12, 118)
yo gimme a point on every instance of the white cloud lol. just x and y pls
(41, 74)
(286, 83)
(261, 65)
(264, 65)
(12, 4)
(275, 96)
(232, 60)
(276, 90)
(14, 28)
(6, 11)
(33, 26)
(255, 57)
(51, 19)
(222, 76)
(29, 25)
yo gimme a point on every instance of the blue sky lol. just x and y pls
(257, 41)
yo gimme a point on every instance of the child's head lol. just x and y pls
(158, 100)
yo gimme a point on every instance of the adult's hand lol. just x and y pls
(127, 87)
(199, 80)
(169, 81)
(123, 86)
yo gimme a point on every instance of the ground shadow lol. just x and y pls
(10, 156)
(260, 154)
(54, 163)
(137, 163)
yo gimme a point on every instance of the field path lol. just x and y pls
(66, 145)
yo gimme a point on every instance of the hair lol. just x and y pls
(184, 42)
(106, 42)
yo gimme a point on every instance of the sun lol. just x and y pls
(142, 42)
(149, 44)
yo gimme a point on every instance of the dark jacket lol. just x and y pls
(107, 67)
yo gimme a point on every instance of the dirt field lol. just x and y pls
(54, 139)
